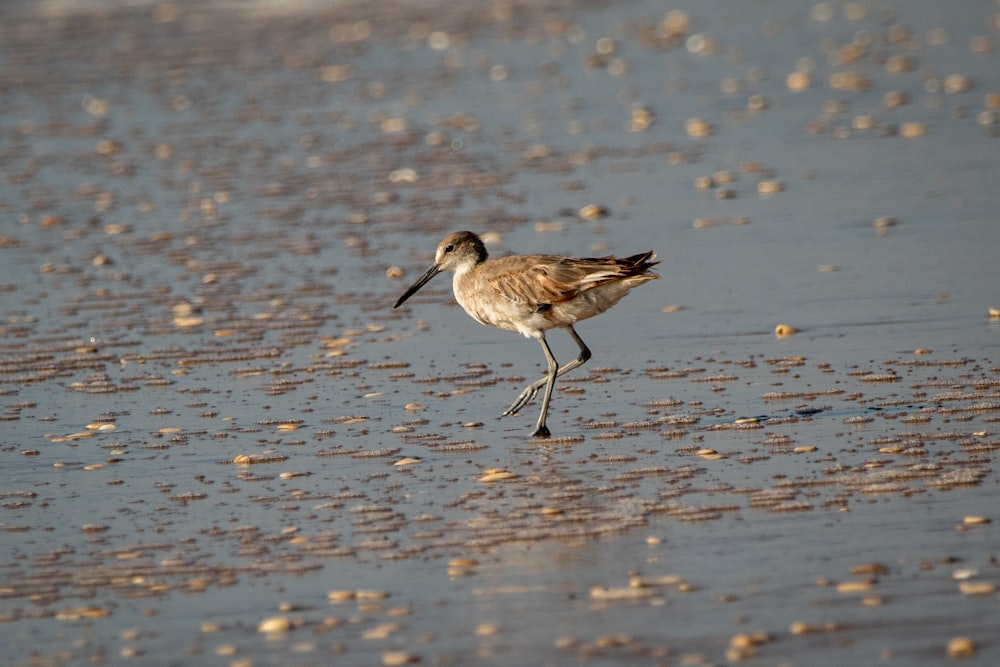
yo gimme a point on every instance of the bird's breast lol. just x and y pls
(486, 306)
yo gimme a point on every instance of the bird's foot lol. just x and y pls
(522, 400)
(541, 431)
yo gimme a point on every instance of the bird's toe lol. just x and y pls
(522, 400)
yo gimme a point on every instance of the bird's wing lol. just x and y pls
(550, 279)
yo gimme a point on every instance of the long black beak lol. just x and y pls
(431, 272)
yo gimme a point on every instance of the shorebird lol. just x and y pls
(530, 294)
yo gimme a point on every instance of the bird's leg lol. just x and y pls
(532, 389)
(541, 430)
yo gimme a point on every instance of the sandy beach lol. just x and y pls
(221, 445)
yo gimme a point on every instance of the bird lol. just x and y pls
(531, 294)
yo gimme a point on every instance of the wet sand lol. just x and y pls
(221, 445)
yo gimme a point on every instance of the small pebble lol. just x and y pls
(957, 83)
(912, 129)
(380, 631)
(803, 628)
(854, 586)
(274, 625)
(697, 128)
(654, 582)
(409, 460)
(390, 658)
(336, 597)
(611, 641)
(487, 629)
(370, 594)
(783, 330)
(897, 64)
(895, 98)
(961, 647)
(798, 81)
(497, 476)
(640, 119)
(976, 588)
(863, 122)
(630, 593)
(543, 227)
(593, 212)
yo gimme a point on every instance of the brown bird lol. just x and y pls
(530, 294)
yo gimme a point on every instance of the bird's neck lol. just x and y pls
(462, 270)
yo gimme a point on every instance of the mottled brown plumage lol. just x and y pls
(531, 294)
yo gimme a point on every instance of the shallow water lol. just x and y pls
(210, 211)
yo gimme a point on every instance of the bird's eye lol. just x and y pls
(449, 248)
